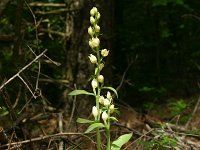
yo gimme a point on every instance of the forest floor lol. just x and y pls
(168, 126)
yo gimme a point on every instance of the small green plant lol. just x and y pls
(161, 141)
(178, 107)
(104, 109)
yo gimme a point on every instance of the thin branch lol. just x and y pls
(55, 11)
(58, 135)
(37, 39)
(24, 68)
(27, 86)
(39, 4)
(124, 74)
(60, 125)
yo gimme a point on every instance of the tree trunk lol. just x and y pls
(78, 67)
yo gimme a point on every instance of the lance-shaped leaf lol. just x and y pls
(80, 92)
(110, 88)
(94, 126)
(117, 144)
(81, 120)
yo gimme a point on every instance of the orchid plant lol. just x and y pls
(104, 109)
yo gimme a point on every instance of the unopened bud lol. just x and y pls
(94, 83)
(109, 95)
(93, 11)
(90, 31)
(94, 42)
(93, 59)
(101, 99)
(112, 107)
(98, 15)
(92, 20)
(101, 66)
(106, 102)
(97, 28)
(94, 111)
(100, 78)
(104, 116)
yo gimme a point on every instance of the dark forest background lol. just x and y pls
(154, 46)
(154, 63)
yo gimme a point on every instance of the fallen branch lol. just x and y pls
(58, 135)
(40, 4)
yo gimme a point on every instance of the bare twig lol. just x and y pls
(37, 40)
(60, 125)
(56, 11)
(124, 74)
(20, 71)
(54, 32)
(58, 135)
(40, 4)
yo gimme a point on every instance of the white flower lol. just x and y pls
(112, 107)
(100, 78)
(109, 95)
(93, 11)
(104, 52)
(104, 116)
(94, 42)
(106, 102)
(101, 99)
(93, 59)
(94, 111)
(92, 20)
(97, 28)
(90, 31)
(94, 83)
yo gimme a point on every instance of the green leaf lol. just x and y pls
(93, 126)
(110, 88)
(113, 118)
(80, 92)
(81, 120)
(117, 144)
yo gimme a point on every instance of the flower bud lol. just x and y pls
(93, 11)
(93, 59)
(104, 52)
(94, 83)
(104, 116)
(98, 15)
(109, 96)
(94, 111)
(100, 78)
(101, 99)
(106, 102)
(101, 66)
(92, 20)
(112, 107)
(94, 42)
(97, 28)
(90, 31)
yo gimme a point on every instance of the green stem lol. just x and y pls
(108, 139)
(98, 118)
